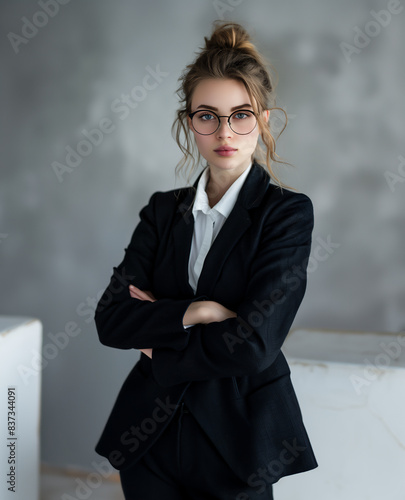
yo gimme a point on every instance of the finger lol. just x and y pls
(150, 295)
(134, 292)
(138, 293)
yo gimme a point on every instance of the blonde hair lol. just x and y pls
(229, 54)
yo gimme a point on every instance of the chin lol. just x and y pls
(228, 163)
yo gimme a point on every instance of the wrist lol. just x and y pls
(205, 312)
(197, 312)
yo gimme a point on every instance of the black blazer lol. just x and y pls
(232, 374)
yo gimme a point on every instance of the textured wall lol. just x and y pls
(60, 235)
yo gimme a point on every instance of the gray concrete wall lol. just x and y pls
(61, 236)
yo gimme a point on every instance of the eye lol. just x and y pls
(240, 116)
(206, 116)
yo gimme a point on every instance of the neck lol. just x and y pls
(219, 181)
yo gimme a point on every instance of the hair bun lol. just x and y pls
(229, 36)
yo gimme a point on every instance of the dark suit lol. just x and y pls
(232, 374)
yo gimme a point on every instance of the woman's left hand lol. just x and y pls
(137, 293)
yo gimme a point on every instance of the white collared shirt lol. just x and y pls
(208, 222)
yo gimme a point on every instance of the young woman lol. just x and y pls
(207, 291)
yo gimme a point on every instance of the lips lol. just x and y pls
(226, 151)
(225, 148)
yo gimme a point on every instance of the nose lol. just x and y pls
(224, 129)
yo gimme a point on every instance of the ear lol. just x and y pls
(266, 114)
(189, 124)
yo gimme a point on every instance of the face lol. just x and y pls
(224, 96)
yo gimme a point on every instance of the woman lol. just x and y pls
(207, 291)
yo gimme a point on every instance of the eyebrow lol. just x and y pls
(206, 106)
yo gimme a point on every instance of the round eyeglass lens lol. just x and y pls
(243, 122)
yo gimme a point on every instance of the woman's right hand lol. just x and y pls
(206, 311)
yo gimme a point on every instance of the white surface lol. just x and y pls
(345, 347)
(351, 389)
(67, 485)
(20, 338)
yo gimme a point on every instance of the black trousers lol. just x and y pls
(183, 464)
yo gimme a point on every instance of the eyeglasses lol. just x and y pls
(206, 122)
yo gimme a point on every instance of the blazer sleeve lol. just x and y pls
(125, 322)
(251, 342)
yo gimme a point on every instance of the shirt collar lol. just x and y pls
(226, 203)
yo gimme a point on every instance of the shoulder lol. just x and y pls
(263, 198)
(284, 216)
(284, 203)
(172, 199)
(164, 205)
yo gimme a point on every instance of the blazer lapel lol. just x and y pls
(183, 235)
(234, 227)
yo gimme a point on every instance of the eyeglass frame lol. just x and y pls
(191, 116)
